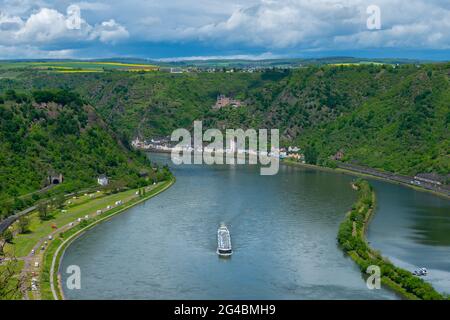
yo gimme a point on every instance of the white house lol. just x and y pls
(293, 149)
(102, 180)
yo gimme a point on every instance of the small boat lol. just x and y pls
(420, 272)
(223, 241)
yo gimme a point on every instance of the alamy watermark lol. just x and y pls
(191, 150)
(73, 281)
(374, 280)
(73, 21)
(373, 22)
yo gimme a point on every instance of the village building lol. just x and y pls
(338, 156)
(137, 143)
(102, 180)
(224, 101)
(296, 156)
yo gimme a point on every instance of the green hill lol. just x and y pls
(391, 117)
(44, 132)
(403, 129)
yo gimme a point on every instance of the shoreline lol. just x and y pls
(347, 171)
(57, 257)
(352, 240)
(55, 277)
(364, 175)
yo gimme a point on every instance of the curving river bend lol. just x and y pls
(283, 230)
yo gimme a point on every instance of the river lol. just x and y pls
(412, 229)
(283, 231)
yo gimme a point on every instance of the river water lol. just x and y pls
(412, 229)
(283, 231)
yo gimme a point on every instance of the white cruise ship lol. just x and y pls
(223, 241)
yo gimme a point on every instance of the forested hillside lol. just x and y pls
(56, 132)
(394, 118)
(405, 129)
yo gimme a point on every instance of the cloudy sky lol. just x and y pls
(168, 29)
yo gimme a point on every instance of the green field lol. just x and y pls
(78, 66)
(23, 243)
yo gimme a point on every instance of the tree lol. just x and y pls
(24, 224)
(5, 209)
(59, 201)
(7, 235)
(115, 186)
(310, 155)
(9, 282)
(42, 210)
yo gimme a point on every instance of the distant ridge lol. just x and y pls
(236, 63)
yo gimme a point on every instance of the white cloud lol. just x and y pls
(412, 24)
(280, 24)
(109, 32)
(49, 26)
(93, 6)
(8, 23)
(332, 24)
(31, 52)
(262, 56)
(21, 7)
(263, 25)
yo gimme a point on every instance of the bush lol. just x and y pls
(61, 96)
(7, 236)
(12, 95)
(24, 224)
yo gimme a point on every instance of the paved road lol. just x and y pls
(407, 180)
(10, 220)
(38, 256)
(30, 270)
(4, 224)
